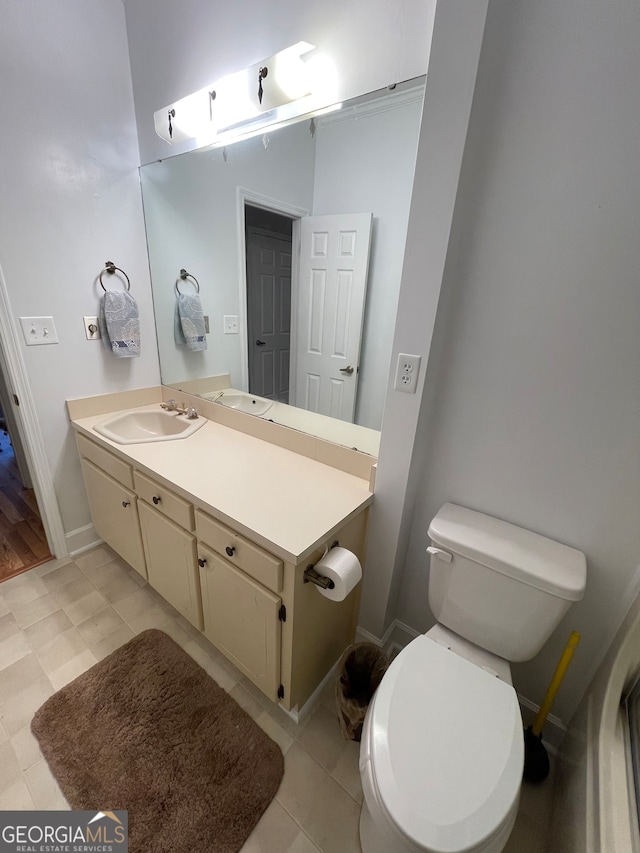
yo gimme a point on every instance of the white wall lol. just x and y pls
(361, 166)
(70, 201)
(453, 62)
(531, 403)
(178, 48)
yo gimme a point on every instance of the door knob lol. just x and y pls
(261, 343)
(348, 370)
(156, 500)
(230, 550)
(125, 504)
(201, 562)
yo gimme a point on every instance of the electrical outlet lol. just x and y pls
(407, 372)
(38, 331)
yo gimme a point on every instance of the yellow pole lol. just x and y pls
(558, 675)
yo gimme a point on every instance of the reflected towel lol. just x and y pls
(119, 324)
(189, 322)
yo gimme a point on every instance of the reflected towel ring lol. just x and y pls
(184, 275)
(111, 268)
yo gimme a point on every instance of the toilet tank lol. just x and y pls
(500, 586)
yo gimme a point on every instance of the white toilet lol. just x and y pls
(442, 748)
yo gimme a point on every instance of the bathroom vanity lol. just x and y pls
(223, 525)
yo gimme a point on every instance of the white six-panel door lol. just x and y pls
(334, 260)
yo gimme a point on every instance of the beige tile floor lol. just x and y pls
(59, 619)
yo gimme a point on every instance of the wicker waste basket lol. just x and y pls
(359, 673)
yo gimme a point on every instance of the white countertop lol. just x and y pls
(286, 502)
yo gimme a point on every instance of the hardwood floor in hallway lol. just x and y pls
(23, 543)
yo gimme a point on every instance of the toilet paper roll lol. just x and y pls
(344, 569)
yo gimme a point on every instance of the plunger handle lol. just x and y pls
(558, 675)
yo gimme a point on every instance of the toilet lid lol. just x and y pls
(446, 746)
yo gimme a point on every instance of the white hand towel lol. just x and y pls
(189, 322)
(119, 324)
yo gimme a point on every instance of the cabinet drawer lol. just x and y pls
(174, 507)
(113, 466)
(259, 564)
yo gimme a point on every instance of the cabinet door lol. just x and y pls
(171, 563)
(115, 515)
(241, 618)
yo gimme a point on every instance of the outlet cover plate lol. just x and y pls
(407, 371)
(91, 328)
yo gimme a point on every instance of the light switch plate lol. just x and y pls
(231, 326)
(38, 331)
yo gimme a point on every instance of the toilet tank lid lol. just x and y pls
(525, 556)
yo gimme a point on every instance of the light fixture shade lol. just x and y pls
(276, 89)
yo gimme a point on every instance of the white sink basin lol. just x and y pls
(137, 427)
(245, 402)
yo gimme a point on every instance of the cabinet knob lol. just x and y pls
(202, 563)
(125, 504)
(156, 500)
(230, 549)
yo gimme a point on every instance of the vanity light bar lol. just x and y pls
(279, 87)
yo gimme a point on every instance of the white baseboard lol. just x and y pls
(398, 635)
(299, 714)
(82, 539)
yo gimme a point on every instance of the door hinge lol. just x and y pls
(281, 692)
(282, 613)
(15, 399)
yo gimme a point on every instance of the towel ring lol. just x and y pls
(184, 275)
(110, 267)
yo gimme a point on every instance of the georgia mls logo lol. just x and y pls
(64, 832)
(103, 831)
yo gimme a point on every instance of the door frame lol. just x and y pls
(15, 372)
(293, 212)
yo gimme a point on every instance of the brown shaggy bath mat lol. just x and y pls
(148, 731)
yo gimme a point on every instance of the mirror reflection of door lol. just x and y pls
(334, 265)
(268, 257)
(321, 375)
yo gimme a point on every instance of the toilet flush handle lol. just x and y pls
(440, 554)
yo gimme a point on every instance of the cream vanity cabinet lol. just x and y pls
(113, 503)
(252, 604)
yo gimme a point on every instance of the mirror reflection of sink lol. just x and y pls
(137, 427)
(242, 402)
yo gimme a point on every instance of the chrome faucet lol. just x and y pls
(214, 397)
(171, 406)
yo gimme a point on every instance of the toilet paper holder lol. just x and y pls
(311, 576)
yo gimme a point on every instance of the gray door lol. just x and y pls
(268, 313)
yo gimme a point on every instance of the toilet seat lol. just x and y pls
(445, 744)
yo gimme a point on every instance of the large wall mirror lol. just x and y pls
(296, 238)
